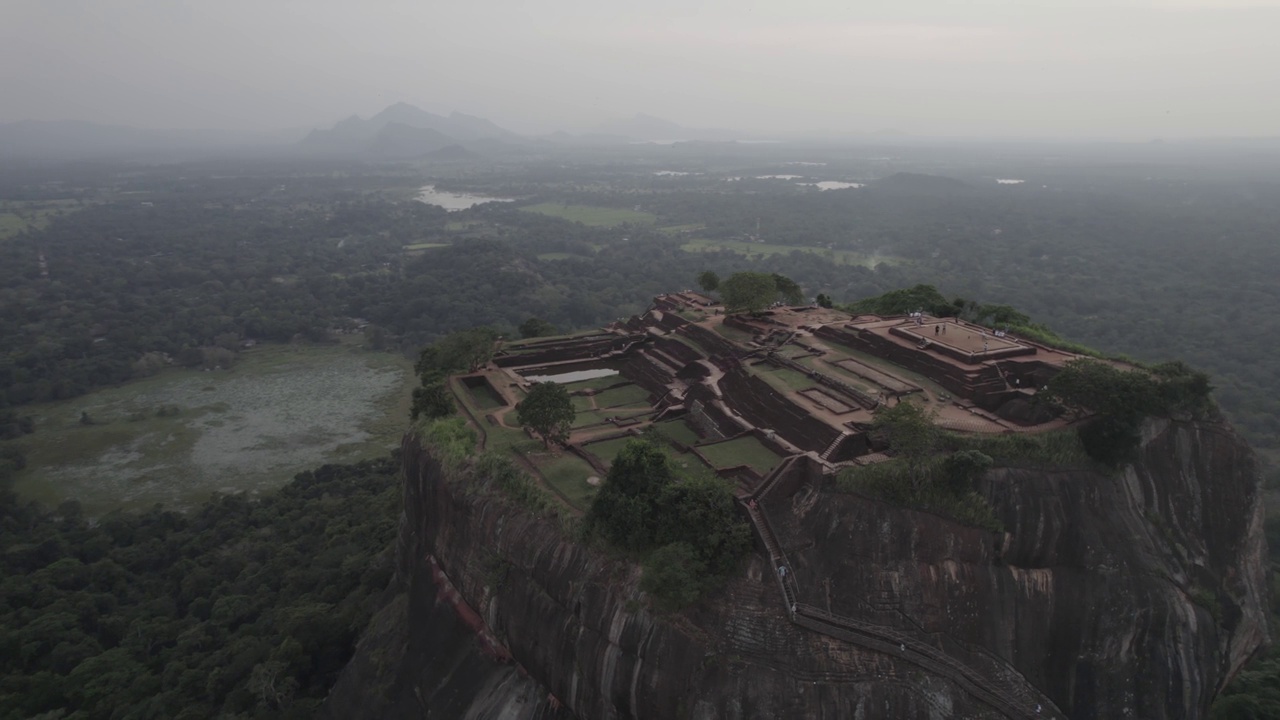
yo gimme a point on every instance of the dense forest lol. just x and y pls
(240, 608)
(177, 265)
(110, 272)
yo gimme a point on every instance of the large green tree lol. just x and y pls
(536, 327)
(912, 437)
(748, 291)
(548, 411)
(708, 281)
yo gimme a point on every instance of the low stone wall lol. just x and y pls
(710, 340)
(982, 384)
(586, 348)
(764, 407)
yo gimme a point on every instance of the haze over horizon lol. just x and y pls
(1131, 69)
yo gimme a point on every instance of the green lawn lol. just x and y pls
(783, 378)
(425, 246)
(595, 417)
(744, 451)
(567, 473)
(560, 256)
(246, 429)
(840, 257)
(679, 431)
(734, 334)
(593, 216)
(625, 395)
(607, 450)
(679, 229)
(11, 225)
(582, 403)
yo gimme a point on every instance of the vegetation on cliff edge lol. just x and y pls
(686, 530)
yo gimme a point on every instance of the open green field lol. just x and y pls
(567, 473)
(745, 450)
(679, 431)
(594, 216)
(560, 256)
(425, 246)
(19, 215)
(625, 395)
(607, 450)
(11, 225)
(681, 229)
(742, 247)
(281, 410)
(595, 417)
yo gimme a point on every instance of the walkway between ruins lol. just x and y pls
(1012, 695)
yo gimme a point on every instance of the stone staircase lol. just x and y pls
(1002, 689)
(835, 445)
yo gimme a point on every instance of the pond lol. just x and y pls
(573, 376)
(181, 435)
(454, 202)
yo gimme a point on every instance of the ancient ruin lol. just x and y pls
(747, 395)
(851, 606)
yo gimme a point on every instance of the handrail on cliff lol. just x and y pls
(1010, 698)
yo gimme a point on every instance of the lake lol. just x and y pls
(833, 185)
(454, 201)
(281, 410)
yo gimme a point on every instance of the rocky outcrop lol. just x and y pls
(1133, 594)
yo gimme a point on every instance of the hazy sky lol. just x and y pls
(1129, 68)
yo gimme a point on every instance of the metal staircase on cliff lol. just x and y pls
(1012, 696)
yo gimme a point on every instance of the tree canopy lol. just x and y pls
(548, 411)
(708, 280)
(748, 291)
(240, 608)
(536, 327)
(687, 528)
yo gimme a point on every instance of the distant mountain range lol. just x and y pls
(404, 131)
(399, 132)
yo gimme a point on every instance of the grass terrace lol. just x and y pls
(568, 474)
(734, 334)
(595, 417)
(679, 431)
(781, 378)
(880, 363)
(622, 396)
(746, 450)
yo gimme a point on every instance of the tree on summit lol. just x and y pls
(708, 281)
(536, 327)
(749, 291)
(548, 411)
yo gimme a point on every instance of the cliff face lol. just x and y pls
(1129, 596)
